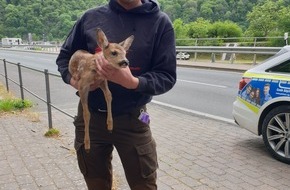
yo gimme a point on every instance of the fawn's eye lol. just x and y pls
(114, 53)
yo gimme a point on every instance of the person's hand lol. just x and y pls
(122, 76)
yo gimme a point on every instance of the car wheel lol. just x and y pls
(276, 133)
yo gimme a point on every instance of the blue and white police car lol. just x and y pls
(263, 103)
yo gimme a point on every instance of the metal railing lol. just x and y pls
(223, 49)
(232, 50)
(22, 88)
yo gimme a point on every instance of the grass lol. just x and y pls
(52, 133)
(11, 104)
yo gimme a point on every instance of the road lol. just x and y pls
(206, 92)
(200, 91)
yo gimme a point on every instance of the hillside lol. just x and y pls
(52, 19)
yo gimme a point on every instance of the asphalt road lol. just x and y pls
(206, 92)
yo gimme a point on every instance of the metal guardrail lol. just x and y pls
(192, 49)
(222, 49)
(23, 88)
(232, 50)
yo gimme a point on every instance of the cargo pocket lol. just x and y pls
(80, 156)
(147, 158)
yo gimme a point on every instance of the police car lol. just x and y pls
(263, 103)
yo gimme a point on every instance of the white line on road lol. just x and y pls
(201, 83)
(231, 121)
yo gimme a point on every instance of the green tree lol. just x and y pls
(224, 29)
(214, 10)
(54, 18)
(199, 28)
(181, 30)
(189, 11)
(284, 20)
(263, 19)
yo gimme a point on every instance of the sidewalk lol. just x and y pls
(193, 153)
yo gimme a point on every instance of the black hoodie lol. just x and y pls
(152, 54)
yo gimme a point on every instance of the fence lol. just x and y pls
(46, 76)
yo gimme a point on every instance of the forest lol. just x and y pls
(51, 20)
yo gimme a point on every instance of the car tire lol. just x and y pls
(276, 133)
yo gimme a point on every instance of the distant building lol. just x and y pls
(8, 42)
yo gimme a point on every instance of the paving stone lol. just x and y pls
(193, 153)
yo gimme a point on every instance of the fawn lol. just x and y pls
(82, 67)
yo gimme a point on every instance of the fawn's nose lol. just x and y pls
(124, 63)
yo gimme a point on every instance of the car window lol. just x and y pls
(281, 68)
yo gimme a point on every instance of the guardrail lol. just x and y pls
(19, 83)
(190, 49)
(232, 50)
(222, 49)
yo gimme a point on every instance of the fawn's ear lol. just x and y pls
(102, 40)
(127, 43)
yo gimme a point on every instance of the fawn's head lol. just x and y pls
(115, 53)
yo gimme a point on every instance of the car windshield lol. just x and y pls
(281, 68)
(282, 51)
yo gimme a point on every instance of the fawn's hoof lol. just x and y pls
(87, 151)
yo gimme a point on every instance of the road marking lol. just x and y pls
(231, 121)
(201, 83)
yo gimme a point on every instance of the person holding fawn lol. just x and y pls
(151, 71)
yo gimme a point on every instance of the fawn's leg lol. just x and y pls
(84, 88)
(108, 97)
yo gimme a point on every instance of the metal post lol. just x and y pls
(48, 99)
(232, 58)
(20, 81)
(6, 75)
(255, 55)
(213, 57)
(195, 53)
(255, 59)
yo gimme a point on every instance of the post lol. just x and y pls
(48, 101)
(195, 53)
(6, 75)
(213, 57)
(255, 55)
(20, 81)
(232, 58)
(286, 38)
